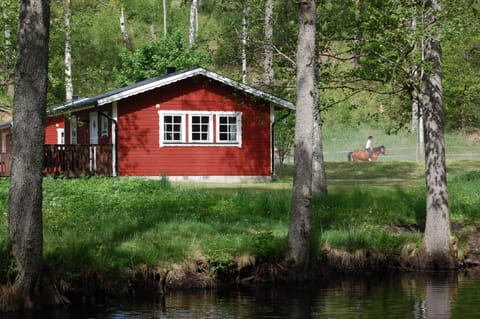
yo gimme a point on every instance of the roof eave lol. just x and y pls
(91, 102)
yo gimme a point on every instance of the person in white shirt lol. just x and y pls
(368, 147)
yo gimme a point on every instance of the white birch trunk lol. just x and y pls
(319, 178)
(437, 238)
(415, 97)
(299, 233)
(196, 18)
(244, 41)
(268, 73)
(123, 29)
(8, 36)
(68, 53)
(164, 18)
(8, 70)
(193, 18)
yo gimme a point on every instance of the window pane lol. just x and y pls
(172, 128)
(228, 129)
(200, 128)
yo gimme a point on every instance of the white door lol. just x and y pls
(93, 128)
(60, 136)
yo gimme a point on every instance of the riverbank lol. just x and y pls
(119, 236)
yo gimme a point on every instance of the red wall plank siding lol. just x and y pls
(53, 123)
(139, 150)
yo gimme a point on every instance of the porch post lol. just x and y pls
(114, 138)
(272, 141)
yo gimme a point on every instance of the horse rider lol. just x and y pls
(368, 148)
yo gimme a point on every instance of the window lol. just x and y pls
(229, 128)
(190, 128)
(104, 125)
(201, 129)
(172, 128)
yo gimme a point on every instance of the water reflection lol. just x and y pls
(376, 296)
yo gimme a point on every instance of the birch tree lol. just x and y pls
(319, 177)
(299, 233)
(123, 29)
(68, 52)
(268, 73)
(193, 22)
(164, 18)
(8, 55)
(244, 40)
(438, 239)
(25, 231)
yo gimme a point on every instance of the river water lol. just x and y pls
(376, 296)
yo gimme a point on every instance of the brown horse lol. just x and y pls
(362, 155)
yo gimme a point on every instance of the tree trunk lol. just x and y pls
(244, 41)
(193, 18)
(28, 136)
(319, 178)
(268, 73)
(299, 233)
(437, 229)
(164, 18)
(420, 136)
(153, 33)
(68, 52)
(123, 29)
(414, 75)
(8, 66)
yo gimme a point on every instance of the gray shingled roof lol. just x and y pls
(167, 79)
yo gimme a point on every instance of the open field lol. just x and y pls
(339, 141)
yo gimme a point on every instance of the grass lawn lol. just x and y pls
(119, 224)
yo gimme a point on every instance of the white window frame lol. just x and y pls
(214, 124)
(190, 127)
(238, 116)
(73, 130)
(162, 115)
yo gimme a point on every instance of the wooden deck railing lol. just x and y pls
(78, 160)
(71, 160)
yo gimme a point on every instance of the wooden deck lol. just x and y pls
(71, 160)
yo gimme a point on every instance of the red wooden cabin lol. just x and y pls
(193, 125)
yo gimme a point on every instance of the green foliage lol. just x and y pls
(462, 93)
(115, 224)
(284, 135)
(463, 202)
(151, 59)
(379, 241)
(268, 246)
